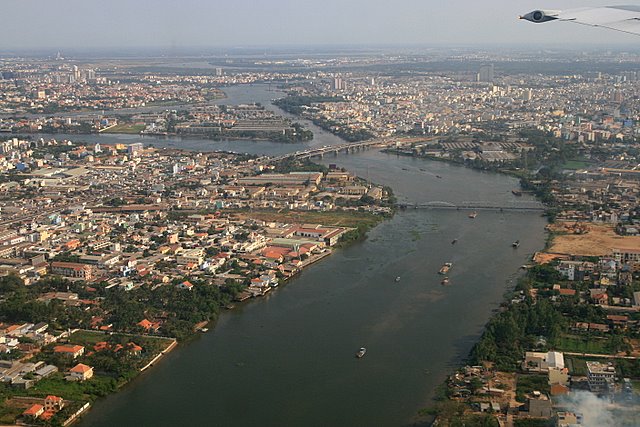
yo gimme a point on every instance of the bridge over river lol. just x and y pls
(528, 206)
(350, 147)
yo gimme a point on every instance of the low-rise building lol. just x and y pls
(80, 372)
(73, 351)
(72, 270)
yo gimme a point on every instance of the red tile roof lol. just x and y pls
(81, 368)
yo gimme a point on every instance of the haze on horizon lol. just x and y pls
(78, 24)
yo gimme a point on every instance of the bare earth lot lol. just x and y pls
(599, 240)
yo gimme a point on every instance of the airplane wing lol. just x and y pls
(619, 18)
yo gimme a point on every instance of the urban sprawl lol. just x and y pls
(112, 253)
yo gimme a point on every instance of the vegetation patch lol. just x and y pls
(126, 128)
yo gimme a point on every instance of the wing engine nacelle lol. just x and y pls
(539, 16)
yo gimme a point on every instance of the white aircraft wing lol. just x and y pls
(619, 18)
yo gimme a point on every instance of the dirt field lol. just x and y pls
(599, 240)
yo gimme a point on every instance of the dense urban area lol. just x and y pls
(111, 254)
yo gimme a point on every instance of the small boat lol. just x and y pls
(516, 243)
(438, 176)
(445, 268)
(204, 330)
(445, 281)
(397, 278)
(453, 242)
(473, 214)
(516, 193)
(360, 353)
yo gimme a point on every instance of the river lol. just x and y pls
(241, 94)
(288, 359)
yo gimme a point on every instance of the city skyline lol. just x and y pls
(287, 23)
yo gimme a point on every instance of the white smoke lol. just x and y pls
(594, 410)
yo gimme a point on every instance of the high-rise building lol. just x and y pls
(219, 72)
(339, 84)
(485, 74)
(76, 73)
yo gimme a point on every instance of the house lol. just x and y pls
(80, 372)
(568, 419)
(559, 390)
(185, 285)
(53, 403)
(149, 326)
(69, 350)
(134, 349)
(567, 292)
(34, 411)
(45, 371)
(618, 321)
(539, 405)
(599, 296)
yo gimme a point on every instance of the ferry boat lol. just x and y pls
(445, 281)
(473, 214)
(445, 268)
(360, 353)
(516, 243)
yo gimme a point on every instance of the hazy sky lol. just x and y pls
(63, 24)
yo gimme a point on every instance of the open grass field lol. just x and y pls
(579, 344)
(126, 128)
(577, 366)
(576, 164)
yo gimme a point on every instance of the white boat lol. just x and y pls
(360, 353)
(398, 279)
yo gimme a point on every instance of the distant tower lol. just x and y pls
(76, 73)
(219, 72)
(485, 74)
